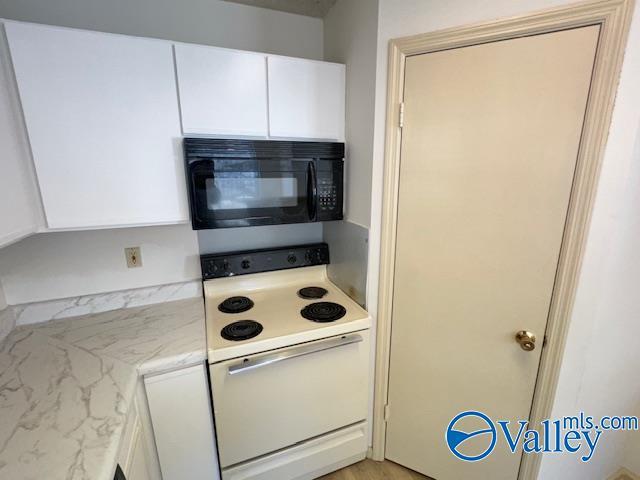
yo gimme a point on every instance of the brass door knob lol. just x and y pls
(527, 340)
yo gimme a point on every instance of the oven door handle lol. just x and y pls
(295, 352)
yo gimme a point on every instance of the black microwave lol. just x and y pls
(241, 183)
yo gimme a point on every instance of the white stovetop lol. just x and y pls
(277, 307)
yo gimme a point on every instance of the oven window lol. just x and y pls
(249, 190)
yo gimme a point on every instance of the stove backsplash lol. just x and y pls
(349, 249)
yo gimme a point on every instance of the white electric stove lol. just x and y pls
(289, 365)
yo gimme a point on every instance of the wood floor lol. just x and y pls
(370, 470)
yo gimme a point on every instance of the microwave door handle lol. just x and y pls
(198, 189)
(294, 352)
(312, 191)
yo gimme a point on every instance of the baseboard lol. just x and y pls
(624, 474)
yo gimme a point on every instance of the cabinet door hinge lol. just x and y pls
(387, 412)
(401, 115)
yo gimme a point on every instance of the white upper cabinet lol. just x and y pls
(20, 212)
(102, 117)
(222, 92)
(306, 99)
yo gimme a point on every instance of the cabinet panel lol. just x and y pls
(138, 468)
(102, 117)
(179, 403)
(306, 99)
(19, 200)
(222, 91)
(133, 455)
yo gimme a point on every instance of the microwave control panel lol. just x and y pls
(329, 196)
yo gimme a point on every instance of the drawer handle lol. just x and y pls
(294, 353)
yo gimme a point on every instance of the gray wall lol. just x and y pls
(248, 238)
(209, 22)
(350, 37)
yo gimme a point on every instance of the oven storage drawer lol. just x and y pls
(306, 460)
(266, 402)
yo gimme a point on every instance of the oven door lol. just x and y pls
(266, 402)
(240, 193)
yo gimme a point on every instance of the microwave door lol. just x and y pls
(200, 174)
(258, 192)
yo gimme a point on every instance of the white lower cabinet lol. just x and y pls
(137, 457)
(138, 468)
(180, 408)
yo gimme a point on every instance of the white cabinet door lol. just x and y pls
(138, 468)
(133, 454)
(222, 92)
(19, 201)
(102, 116)
(306, 99)
(179, 403)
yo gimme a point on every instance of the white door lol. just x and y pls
(102, 117)
(222, 92)
(306, 99)
(489, 146)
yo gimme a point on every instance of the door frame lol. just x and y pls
(614, 18)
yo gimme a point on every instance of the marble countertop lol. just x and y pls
(66, 385)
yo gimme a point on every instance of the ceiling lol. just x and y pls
(310, 8)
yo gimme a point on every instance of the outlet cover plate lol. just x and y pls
(133, 256)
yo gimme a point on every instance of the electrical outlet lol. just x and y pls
(133, 256)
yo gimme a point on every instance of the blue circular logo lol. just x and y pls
(456, 438)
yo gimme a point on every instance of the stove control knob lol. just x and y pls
(292, 258)
(226, 266)
(246, 264)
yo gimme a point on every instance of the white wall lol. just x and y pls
(67, 264)
(59, 265)
(209, 22)
(597, 358)
(600, 369)
(600, 366)
(350, 32)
